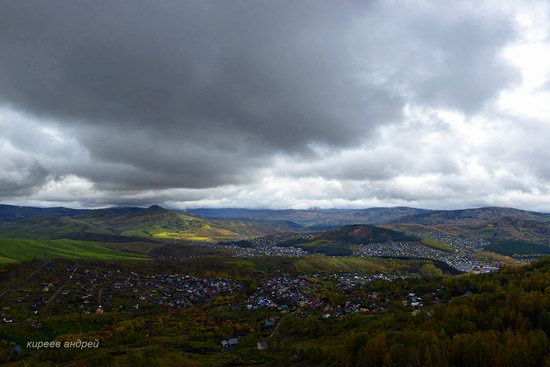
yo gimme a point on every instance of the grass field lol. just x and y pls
(14, 248)
(430, 242)
(204, 232)
(491, 256)
(139, 247)
(6, 260)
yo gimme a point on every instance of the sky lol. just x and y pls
(275, 104)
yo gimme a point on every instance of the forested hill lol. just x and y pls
(362, 234)
(500, 319)
(340, 241)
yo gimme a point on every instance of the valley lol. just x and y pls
(152, 286)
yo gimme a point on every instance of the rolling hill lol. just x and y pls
(495, 224)
(509, 230)
(142, 228)
(129, 224)
(491, 223)
(114, 232)
(124, 225)
(341, 241)
(362, 234)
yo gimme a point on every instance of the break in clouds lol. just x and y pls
(275, 103)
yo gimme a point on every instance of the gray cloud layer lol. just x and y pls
(195, 87)
(194, 95)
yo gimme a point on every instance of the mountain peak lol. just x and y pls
(156, 208)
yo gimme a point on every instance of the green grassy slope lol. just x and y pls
(139, 247)
(6, 260)
(14, 248)
(154, 222)
(430, 242)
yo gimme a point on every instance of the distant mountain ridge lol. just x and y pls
(491, 223)
(487, 213)
(13, 212)
(310, 217)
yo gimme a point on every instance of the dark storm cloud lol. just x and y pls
(195, 94)
(152, 82)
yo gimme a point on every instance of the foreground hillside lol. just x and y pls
(17, 249)
(492, 320)
(277, 311)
